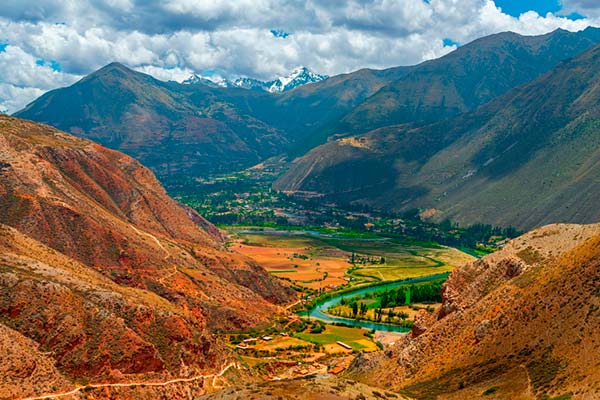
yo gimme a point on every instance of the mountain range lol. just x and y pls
(104, 278)
(109, 288)
(527, 158)
(298, 77)
(200, 129)
(389, 127)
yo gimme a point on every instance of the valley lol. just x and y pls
(319, 263)
(329, 254)
(419, 232)
(288, 320)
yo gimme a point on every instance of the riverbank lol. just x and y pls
(318, 311)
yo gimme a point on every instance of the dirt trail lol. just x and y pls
(293, 304)
(167, 276)
(529, 384)
(133, 384)
(152, 237)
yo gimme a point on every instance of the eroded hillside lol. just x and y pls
(104, 275)
(519, 323)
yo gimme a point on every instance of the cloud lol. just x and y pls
(166, 74)
(588, 8)
(257, 38)
(14, 97)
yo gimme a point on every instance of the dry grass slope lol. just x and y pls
(512, 325)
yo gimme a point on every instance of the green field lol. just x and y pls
(377, 259)
(268, 239)
(354, 337)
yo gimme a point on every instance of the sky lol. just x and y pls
(45, 44)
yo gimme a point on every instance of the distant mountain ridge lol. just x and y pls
(527, 158)
(298, 77)
(466, 78)
(185, 131)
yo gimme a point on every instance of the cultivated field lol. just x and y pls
(353, 337)
(306, 261)
(321, 262)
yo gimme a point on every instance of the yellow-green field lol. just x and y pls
(321, 262)
(354, 337)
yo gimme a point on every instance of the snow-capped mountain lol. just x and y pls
(251, 84)
(212, 81)
(298, 77)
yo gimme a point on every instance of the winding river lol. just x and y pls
(318, 312)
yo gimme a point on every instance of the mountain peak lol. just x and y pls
(114, 69)
(196, 79)
(114, 66)
(297, 77)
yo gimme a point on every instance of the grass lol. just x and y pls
(395, 273)
(354, 337)
(274, 240)
(324, 263)
(567, 396)
(282, 271)
(280, 343)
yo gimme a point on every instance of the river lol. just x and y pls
(318, 312)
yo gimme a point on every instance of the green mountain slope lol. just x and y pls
(526, 158)
(193, 130)
(183, 131)
(175, 129)
(466, 78)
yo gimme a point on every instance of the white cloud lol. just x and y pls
(589, 8)
(166, 74)
(22, 79)
(171, 39)
(14, 98)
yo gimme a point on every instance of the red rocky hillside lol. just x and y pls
(103, 275)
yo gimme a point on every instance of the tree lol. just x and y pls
(385, 299)
(378, 314)
(400, 297)
(391, 315)
(354, 306)
(363, 309)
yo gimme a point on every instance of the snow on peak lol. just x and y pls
(298, 77)
(213, 81)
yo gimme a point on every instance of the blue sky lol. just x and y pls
(46, 44)
(517, 7)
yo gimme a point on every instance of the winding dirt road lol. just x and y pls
(133, 384)
(293, 304)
